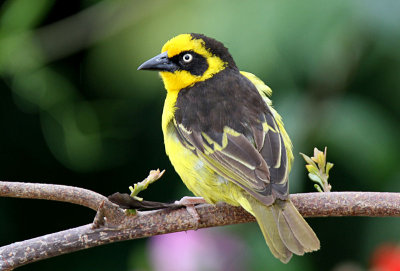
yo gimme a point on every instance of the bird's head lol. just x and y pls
(189, 58)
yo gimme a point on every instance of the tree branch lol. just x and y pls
(55, 192)
(150, 223)
(62, 193)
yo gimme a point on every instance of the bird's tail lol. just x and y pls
(284, 229)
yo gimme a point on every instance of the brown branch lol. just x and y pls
(62, 193)
(55, 192)
(151, 223)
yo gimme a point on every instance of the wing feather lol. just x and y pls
(256, 161)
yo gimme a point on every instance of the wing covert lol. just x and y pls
(236, 159)
(236, 132)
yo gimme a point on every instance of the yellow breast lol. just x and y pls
(194, 172)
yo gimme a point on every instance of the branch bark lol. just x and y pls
(150, 223)
(62, 193)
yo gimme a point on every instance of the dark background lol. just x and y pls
(74, 110)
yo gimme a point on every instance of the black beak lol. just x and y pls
(160, 62)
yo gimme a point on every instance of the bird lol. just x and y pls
(226, 141)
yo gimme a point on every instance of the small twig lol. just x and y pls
(150, 223)
(153, 176)
(99, 220)
(318, 168)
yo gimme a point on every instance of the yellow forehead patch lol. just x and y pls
(184, 42)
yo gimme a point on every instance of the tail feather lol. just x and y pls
(299, 227)
(284, 229)
(285, 232)
(265, 218)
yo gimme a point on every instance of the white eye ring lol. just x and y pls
(187, 58)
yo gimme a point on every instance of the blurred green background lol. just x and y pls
(74, 110)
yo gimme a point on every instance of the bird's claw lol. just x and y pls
(190, 203)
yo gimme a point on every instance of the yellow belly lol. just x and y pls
(196, 174)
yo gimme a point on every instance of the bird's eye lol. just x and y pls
(187, 58)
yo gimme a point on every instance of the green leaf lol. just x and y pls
(130, 211)
(308, 159)
(328, 167)
(312, 169)
(315, 178)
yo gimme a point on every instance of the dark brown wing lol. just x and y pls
(249, 163)
(233, 130)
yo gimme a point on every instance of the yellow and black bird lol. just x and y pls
(226, 141)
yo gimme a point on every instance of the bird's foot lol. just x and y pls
(189, 203)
